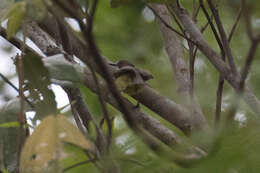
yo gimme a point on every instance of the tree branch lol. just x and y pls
(212, 26)
(214, 57)
(79, 164)
(175, 53)
(151, 124)
(15, 88)
(165, 107)
(235, 25)
(168, 25)
(174, 50)
(223, 37)
(220, 80)
(21, 117)
(244, 74)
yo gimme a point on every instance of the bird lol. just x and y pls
(125, 63)
(130, 79)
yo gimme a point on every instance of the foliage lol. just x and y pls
(15, 17)
(43, 154)
(128, 32)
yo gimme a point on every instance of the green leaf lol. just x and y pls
(61, 70)
(8, 113)
(15, 18)
(9, 124)
(4, 6)
(44, 149)
(78, 161)
(37, 82)
(92, 101)
(4, 171)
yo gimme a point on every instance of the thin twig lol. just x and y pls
(149, 123)
(246, 13)
(235, 25)
(80, 106)
(15, 88)
(191, 66)
(224, 39)
(100, 96)
(176, 20)
(203, 28)
(87, 31)
(168, 26)
(78, 164)
(74, 94)
(211, 25)
(195, 11)
(249, 60)
(244, 74)
(21, 116)
(103, 66)
(194, 51)
(77, 119)
(9, 82)
(103, 107)
(93, 10)
(193, 54)
(220, 80)
(245, 70)
(219, 100)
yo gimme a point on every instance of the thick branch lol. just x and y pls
(214, 57)
(174, 50)
(150, 124)
(40, 39)
(175, 53)
(182, 120)
(76, 99)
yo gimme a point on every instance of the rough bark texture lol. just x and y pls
(175, 53)
(174, 50)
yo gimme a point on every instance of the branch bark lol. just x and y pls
(149, 123)
(214, 57)
(224, 38)
(174, 113)
(175, 53)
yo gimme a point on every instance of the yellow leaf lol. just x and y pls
(45, 147)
